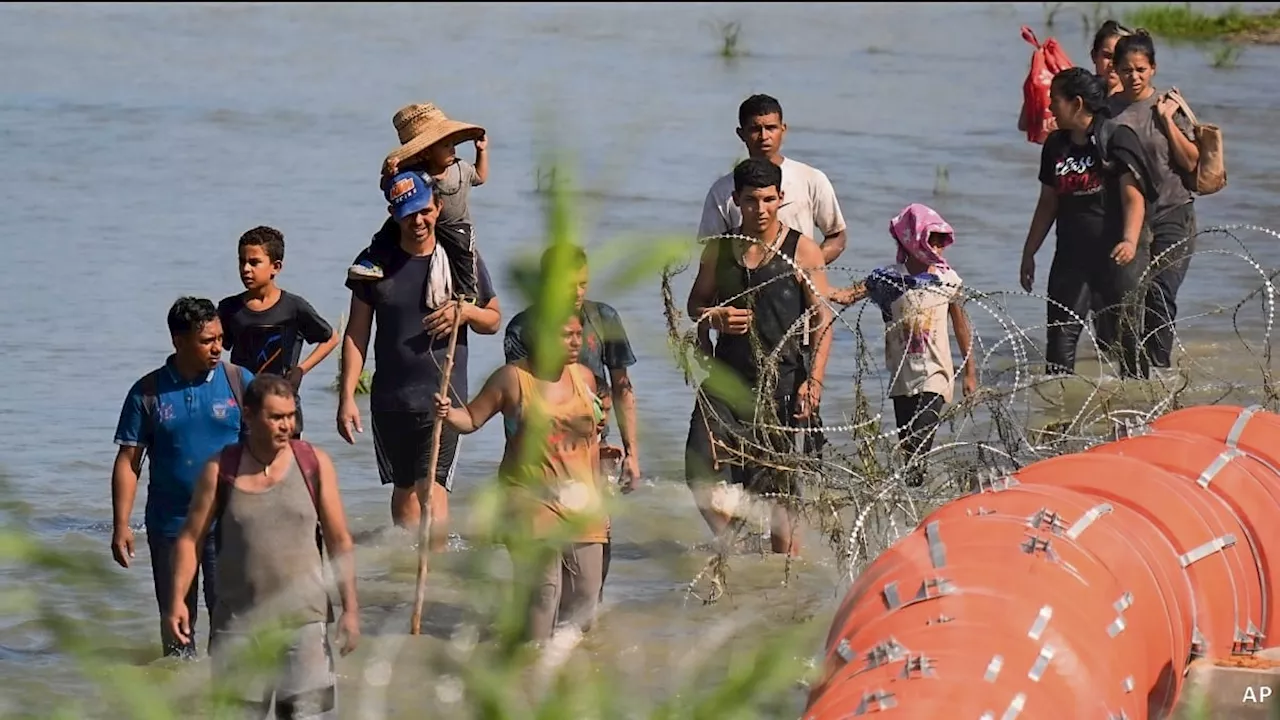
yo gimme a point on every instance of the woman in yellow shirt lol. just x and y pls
(550, 469)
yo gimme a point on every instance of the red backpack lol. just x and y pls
(229, 465)
(1046, 61)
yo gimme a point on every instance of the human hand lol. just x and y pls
(482, 143)
(970, 385)
(122, 545)
(1166, 107)
(1027, 273)
(1124, 252)
(348, 632)
(440, 322)
(630, 472)
(177, 623)
(294, 376)
(808, 397)
(348, 420)
(731, 320)
(443, 405)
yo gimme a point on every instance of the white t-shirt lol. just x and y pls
(808, 201)
(917, 339)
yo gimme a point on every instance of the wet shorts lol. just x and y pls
(301, 683)
(402, 443)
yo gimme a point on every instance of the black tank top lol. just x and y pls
(774, 293)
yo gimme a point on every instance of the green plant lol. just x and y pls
(730, 35)
(363, 385)
(941, 180)
(1225, 56)
(1182, 22)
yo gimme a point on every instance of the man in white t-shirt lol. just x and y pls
(809, 202)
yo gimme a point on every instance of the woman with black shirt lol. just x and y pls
(1095, 186)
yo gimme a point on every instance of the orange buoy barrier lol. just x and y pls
(1079, 586)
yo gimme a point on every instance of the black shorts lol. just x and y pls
(717, 435)
(402, 443)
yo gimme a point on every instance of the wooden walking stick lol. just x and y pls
(424, 488)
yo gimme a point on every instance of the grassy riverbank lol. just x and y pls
(1182, 22)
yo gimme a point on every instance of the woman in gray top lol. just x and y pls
(1168, 137)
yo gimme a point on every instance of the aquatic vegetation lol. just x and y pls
(730, 35)
(1182, 22)
(1225, 56)
(365, 384)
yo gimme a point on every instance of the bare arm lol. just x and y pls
(485, 320)
(337, 538)
(496, 396)
(1042, 220)
(124, 483)
(355, 345)
(186, 557)
(319, 353)
(833, 246)
(1181, 148)
(624, 402)
(482, 162)
(702, 294)
(1135, 208)
(813, 269)
(964, 338)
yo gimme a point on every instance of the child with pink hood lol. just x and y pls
(916, 295)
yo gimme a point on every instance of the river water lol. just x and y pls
(141, 140)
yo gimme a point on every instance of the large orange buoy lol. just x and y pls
(1208, 537)
(923, 586)
(1131, 558)
(1243, 483)
(1140, 560)
(962, 669)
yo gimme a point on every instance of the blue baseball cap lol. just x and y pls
(408, 193)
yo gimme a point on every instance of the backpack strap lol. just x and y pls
(228, 466)
(150, 402)
(235, 379)
(304, 453)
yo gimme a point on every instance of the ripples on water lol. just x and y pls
(140, 141)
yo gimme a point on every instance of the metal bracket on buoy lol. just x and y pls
(993, 668)
(1034, 543)
(1042, 663)
(886, 652)
(937, 548)
(939, 620)
(1000, 482)
(1247, 642)
(890, 594)
(981, 511)
(1041, 622)
(1237, 429)
(1127, 686)
(932, 588)
(1090, 517)
(845, 651)
(1121, 716)
(1015, 708)
(1116, 627)
(1215, 545)
(921, 664)
(1044, 516)
(1217, 465)
(875, 702)
(1124, 603)
(1197, 643)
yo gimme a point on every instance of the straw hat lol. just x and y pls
(422, 125)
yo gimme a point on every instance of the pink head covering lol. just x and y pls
(912, 228)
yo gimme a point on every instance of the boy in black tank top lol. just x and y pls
(755, 290)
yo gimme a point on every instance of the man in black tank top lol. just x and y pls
(755, 291)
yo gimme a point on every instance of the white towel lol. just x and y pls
(440, 281)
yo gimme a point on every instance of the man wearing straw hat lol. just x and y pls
(427, 141)
(413, 347)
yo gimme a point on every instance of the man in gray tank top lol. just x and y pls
(273, 499)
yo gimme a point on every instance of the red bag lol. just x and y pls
(1047, 60)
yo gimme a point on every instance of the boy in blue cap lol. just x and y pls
(428, 139)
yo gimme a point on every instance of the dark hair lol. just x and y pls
(1140, 42)
(1077, 82)
(757, 106)
(263, 385)
(190, 314)
(568, 256)
(756, 173)
(1108, 30)
(269, 239)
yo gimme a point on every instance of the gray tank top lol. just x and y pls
(269, 568)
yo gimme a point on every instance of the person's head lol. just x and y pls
(757, 191)
(1076, 96)
(564, 347)
(760, 126)
(1103, 50)
(1136, 62)
(564, 263)
(271, 410)
(196, 332)
(261, 253)
(414, 204)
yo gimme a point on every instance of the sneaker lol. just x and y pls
(364, 270)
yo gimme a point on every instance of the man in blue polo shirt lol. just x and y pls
(179, 415)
